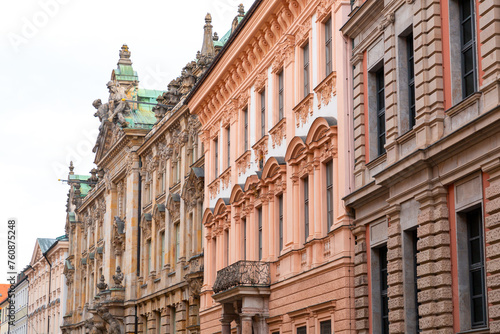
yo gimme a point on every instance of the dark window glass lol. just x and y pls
(245, 128)
(411, 81)
(302, 330)
(280, 95)
(228, 131)
(280, 222)
(383, 289)
(468, 42)
(328, 46)
(476, 269)
(415, 279)
(329, 194)
(306, 208)
(259, 215)
(380, 111)
(263, 113)
(325, 327)
(306, 69)
(227, 248)
(244, 238)
(216, 157)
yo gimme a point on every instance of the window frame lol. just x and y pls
(328, 40)
(380, 109)
(306, 73)
(466, 46)
(330, 211)
(305, 185)
(281, 94)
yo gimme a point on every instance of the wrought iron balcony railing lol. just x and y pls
(243, 273)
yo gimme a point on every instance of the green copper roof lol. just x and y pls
(72, 217)
(126, 73)
(45, 243)
(142, 115)
(84, 188)
(226, 36)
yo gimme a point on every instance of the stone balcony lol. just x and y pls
(243, 274)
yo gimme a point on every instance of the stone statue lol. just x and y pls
(117, 104)
(102, 285)
(102, 110)
(118, 277)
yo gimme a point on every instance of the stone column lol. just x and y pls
(361, 280)
(246, 324)
(165, 320)
(488, 15)
(226, 326)
(434, 263)
(360, 115)
(492, 239)
(429, 89)
(395, 271)
(180, 317)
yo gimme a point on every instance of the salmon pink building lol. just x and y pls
(278, 247)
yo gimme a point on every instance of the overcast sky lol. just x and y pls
(55, 59)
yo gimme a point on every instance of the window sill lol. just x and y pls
(377, 161)
(468, 101)
(476, 331)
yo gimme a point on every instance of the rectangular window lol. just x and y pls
(415, 278)
(177, 242)
(216, 158)
(263, 113)
(162, 250)
(306, 208)
(228, 133)
(380, 86)
(173, 324)
(280, 96)
(158, 322)
(244, 238)
(280, 221)
(468, 41)
(325, 327)
(227, 247)
(302, 330)
(245, 128)
(384, 300)
(411, 81)
(259, 217)
(162, 182)
(476, 269)
(149, 256)
(305, 50)
(329, 195)
(328, 47)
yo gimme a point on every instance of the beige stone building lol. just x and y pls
(47, 285)
(426, 120)
(136, 253)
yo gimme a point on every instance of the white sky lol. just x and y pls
(56, 57)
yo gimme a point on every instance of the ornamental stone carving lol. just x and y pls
(278, 133)
(118, 278)
(324, 8)
(326, 90)
(243, 163)
(303, 110)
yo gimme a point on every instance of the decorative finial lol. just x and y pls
(71, 168)
(118, 277)
(216, 37)
(124, 56)
(241, 10)
(207, 48)
(102, 284)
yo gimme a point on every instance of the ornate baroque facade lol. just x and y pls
(278, 247)
(136, 253)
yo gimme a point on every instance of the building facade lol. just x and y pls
(4, 312)
(21, 291)
(136, 252)
(426, 118)
(278, 245)
(47, 286)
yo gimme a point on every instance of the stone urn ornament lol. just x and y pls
(118, 278)
(102, 285)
